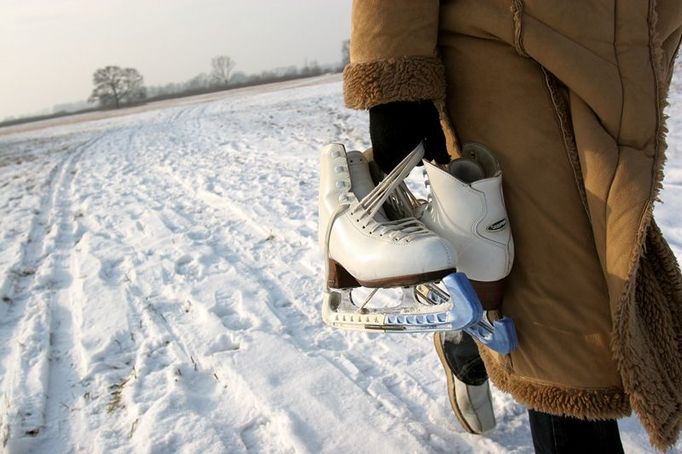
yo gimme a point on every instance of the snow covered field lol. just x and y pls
(161, 286)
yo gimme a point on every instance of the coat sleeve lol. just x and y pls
(393, 53)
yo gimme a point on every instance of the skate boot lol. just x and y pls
(466, 206)
(467, 381)
(362, 247)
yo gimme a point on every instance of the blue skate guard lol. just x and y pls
(424, 308)
(500, 335)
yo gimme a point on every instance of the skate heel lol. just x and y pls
(338, 277)
(490, 293)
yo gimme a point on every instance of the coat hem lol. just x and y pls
(592, 404)
(414, 78)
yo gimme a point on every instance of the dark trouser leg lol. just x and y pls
(567, 435)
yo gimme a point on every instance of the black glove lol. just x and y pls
(396, 128)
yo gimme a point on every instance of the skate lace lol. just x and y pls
(407, 227)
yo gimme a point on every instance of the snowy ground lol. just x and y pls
(161, 291)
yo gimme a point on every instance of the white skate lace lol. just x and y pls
(406, 228)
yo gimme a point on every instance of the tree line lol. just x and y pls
(115, 87)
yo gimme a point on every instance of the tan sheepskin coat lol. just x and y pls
(570, 96)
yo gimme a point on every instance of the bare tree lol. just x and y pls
(115, 86)
(221, 67)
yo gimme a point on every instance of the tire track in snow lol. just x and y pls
(22, 273)
(163, 355)
(104, 407)
(64, 377)
(42, 325)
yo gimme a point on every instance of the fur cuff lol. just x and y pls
(397, 79)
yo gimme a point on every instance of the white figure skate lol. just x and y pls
(363, 248)
(466, 206)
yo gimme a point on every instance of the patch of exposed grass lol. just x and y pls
(116, 393)
(24, 272)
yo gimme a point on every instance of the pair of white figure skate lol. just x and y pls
(382, 236)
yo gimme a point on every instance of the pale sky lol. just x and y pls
(49, 49)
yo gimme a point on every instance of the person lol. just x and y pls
(570, 97)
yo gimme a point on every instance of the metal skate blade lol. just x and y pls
(450, 305)
(344, 309)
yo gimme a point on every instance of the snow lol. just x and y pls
(161, 290)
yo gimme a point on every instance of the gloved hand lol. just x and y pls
(396, 128)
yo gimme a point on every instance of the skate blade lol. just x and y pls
(338, 312)
(429, 307)
(424, 308)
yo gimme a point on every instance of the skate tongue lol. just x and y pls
(466, 170)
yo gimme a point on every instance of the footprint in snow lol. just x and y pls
(225, 342)
(198, 234)
(186, 266)
(229, 309)
(110, 271)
